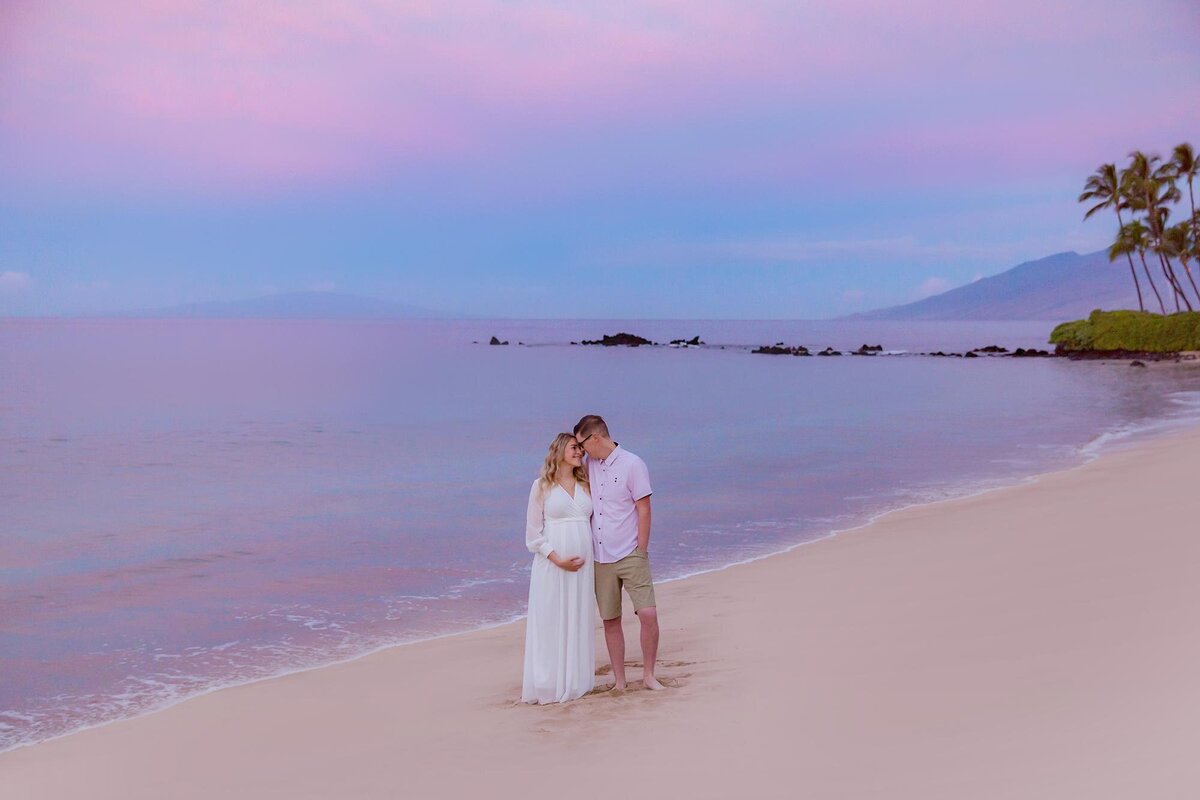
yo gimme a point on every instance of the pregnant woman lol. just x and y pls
(560, 648)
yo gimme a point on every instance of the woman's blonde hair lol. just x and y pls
(554, 456)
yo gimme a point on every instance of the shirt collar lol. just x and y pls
(613, 455)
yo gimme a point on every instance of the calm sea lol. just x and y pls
(186, 504)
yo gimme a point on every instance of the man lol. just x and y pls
(621, 538)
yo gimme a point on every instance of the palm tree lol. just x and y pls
(1196, 239)
(1151, 188)
(1134, 238)
(1177, 242)
(1157, 217)
(1105, 185)
(1183, 160)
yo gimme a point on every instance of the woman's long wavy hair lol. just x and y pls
(554, 457)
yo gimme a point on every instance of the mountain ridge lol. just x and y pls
(1064, 285)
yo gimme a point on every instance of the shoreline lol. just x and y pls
(1107, 442)
(114, 739)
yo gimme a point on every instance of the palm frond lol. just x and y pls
(1184, 159)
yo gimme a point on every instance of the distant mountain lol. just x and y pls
(296, 305)
(1058, 287)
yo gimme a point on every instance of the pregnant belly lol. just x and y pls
(571, 539)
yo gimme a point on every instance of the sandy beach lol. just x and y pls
(1039, 641)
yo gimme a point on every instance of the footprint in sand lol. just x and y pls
(606, 669)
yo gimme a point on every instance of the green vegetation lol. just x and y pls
(1133, 331)
(1148, 189)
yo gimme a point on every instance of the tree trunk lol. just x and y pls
(1129, 257)
(1156, 237)
(1188, 270)
(1167, 273)
(1195, 224)
(1146, 269)
(1136, 284)
(1175, 284)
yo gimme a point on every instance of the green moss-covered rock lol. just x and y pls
(1129, 331)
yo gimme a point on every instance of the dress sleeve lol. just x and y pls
(639, 480)
(535, 522)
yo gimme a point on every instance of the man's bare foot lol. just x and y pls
(651, 683)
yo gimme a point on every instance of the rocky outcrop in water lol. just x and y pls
(619, 340)
(780, 349)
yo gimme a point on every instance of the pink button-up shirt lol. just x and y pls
(617, 482)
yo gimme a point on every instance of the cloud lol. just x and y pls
(12, 282)
(276, 91)
(932, 286)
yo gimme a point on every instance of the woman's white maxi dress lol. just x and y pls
(560, 648)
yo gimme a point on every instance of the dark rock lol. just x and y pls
(1115, 355)
(780, 349)
(621, 339)
(829, 351)
(971, 354)
(1137, 363)
(692, 342)
(772, 350)
(1021, 352)
(868, 350)
(496, 341)
(991, 348)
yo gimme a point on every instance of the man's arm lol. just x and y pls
(639, 486)
(643, 513)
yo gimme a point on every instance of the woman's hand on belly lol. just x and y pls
(570, 563)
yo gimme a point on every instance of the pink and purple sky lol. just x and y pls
(550, 159)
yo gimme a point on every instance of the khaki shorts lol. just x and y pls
(631, 572)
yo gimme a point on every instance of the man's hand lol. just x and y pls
(643, 516)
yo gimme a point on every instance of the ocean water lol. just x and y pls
(188, 504)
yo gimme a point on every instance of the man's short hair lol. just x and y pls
(591, 424)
